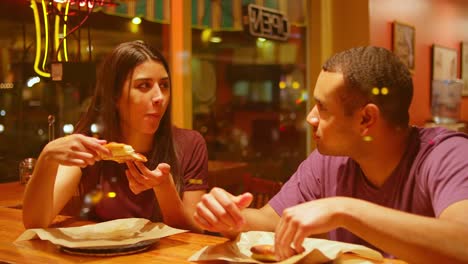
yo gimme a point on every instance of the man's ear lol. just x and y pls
(370, 113)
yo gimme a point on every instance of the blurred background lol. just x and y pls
(248, 93)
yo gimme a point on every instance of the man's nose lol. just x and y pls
(312, 117)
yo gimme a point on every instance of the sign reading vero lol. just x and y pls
(267, 23)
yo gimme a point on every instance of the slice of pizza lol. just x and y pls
(122, 153)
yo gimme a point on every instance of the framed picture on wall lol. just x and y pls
(403, 43)
(464, 67)
(444, 63)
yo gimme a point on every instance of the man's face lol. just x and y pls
(333, 131)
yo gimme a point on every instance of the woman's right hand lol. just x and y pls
(76, 150)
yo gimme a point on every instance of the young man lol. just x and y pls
(373, 180)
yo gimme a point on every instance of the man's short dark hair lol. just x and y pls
(374, 75)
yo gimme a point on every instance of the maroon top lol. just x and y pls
(432, 175)
(193, 164)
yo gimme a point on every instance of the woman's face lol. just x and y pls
(144, 100)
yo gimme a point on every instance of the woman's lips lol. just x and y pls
(153, 116)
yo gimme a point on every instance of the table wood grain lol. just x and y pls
(11, 194)
(174, 249)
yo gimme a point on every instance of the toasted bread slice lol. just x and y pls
(122, 153)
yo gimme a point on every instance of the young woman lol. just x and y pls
(131, 105)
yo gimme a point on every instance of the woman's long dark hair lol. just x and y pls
(116, 68)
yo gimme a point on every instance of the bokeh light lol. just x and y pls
(384, 91)
(94, 128)
(282, 85)
(32, 81)
(68, 128)
(296, 85)
(375, 91)
(136, 20)
(206, 35)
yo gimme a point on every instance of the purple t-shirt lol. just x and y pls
(432, 175)
(193, 161)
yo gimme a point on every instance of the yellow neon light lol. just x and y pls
(46, 32)
(65, 18)
(56, 33)
(38, 41)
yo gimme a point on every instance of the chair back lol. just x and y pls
(261, 189)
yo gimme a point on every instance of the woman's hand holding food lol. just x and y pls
(75, 150)
(140, 178)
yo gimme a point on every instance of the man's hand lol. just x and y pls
(220, 211)
(303, 220)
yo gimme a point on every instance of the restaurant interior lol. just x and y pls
(242, 73)
(248, 94)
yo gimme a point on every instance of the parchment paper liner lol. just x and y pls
(317, 250)
(118, 232)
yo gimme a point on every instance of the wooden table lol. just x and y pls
(11, 194)
(173, 249)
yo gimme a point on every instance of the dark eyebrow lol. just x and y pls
(143, 79)
(150, 79)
